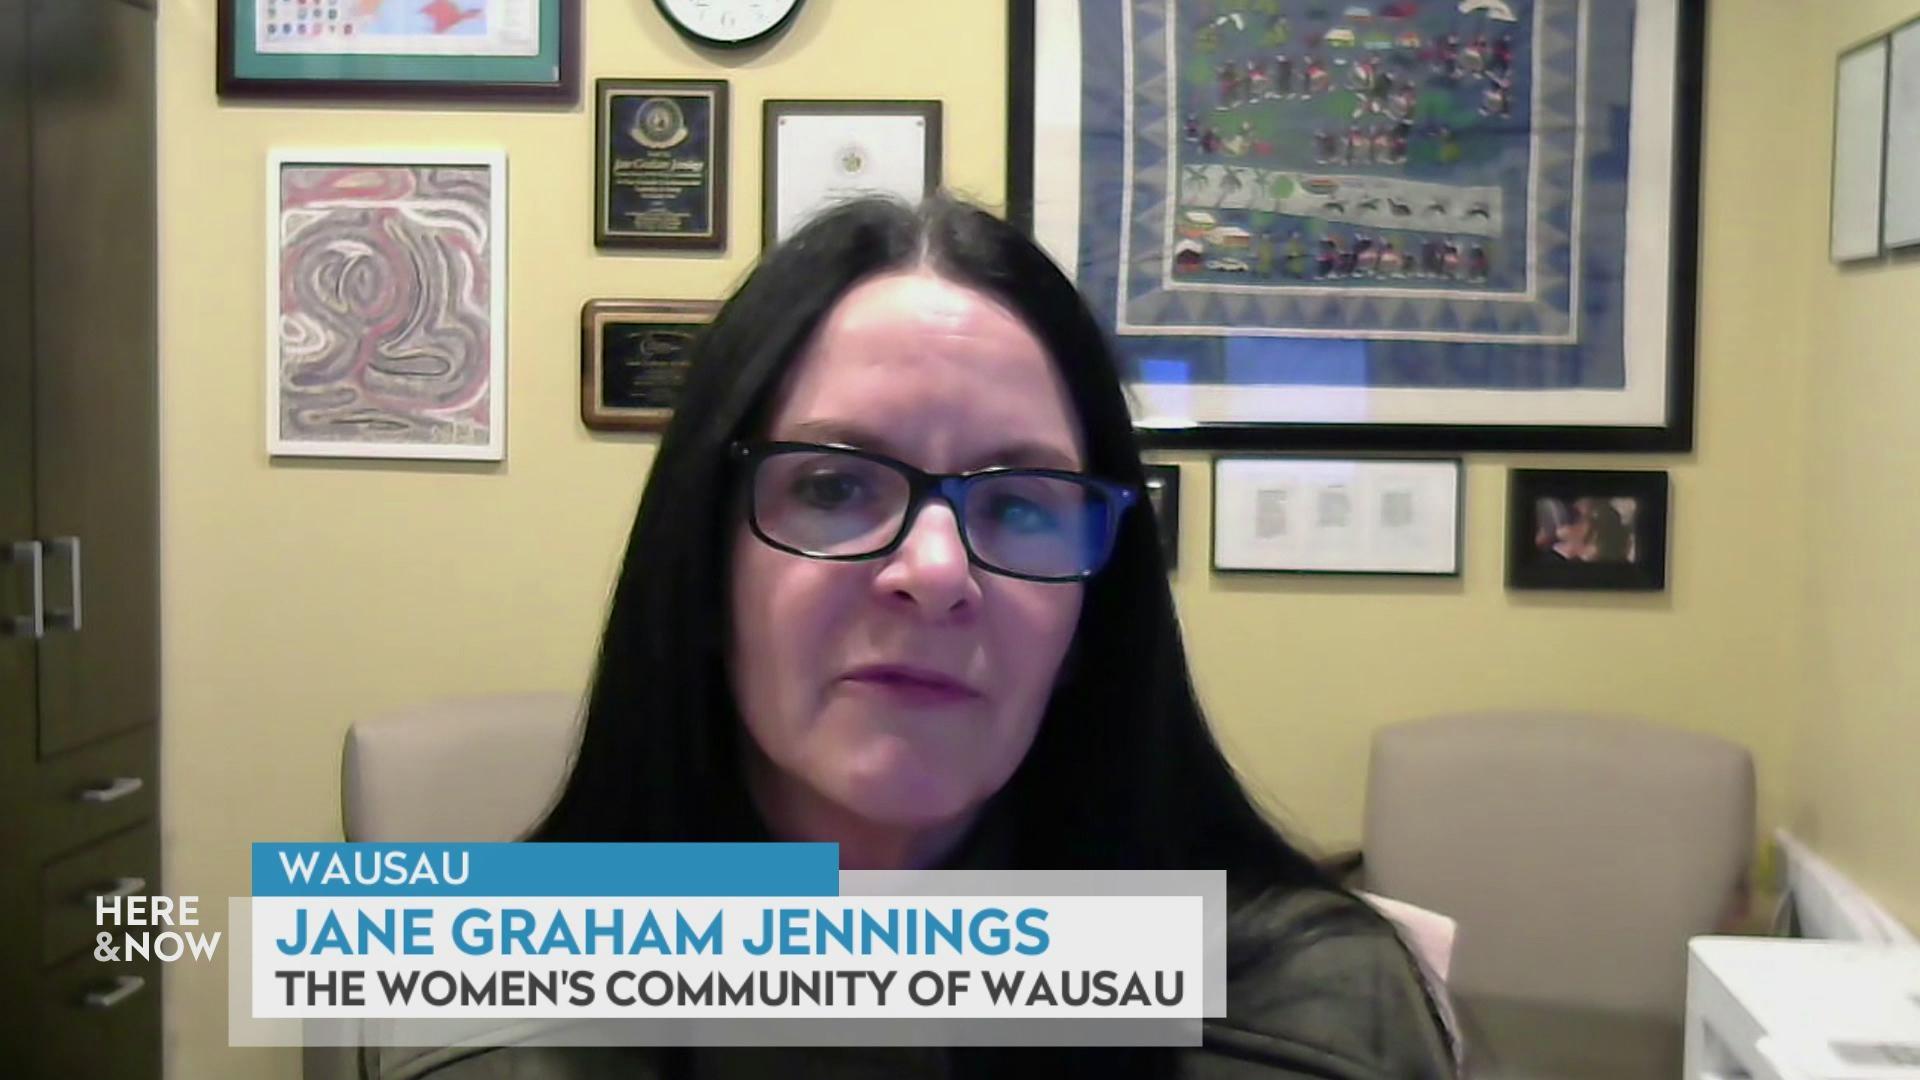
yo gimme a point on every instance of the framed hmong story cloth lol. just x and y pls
(1396, 224)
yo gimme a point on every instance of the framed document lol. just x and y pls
(1309, 515)
(1859, 150)
(1901, 220)
(818, 153)
(634, 357)
(660, 164)
(1419, 225)
(386, 303)
(1587, 529)
(469, 50)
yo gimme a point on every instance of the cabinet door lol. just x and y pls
(17, 651)
(18, 908)
(92, 93)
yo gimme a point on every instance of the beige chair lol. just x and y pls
(1577, 854)
(457, 769)
(454, 769)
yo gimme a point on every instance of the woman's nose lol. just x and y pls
(930, 570)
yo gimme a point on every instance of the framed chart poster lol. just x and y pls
(400, 50)
(1403, 224)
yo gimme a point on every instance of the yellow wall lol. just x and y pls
(299, 597)
(1299, 673)
(1857, 796)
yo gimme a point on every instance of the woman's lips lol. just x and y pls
(912, 686)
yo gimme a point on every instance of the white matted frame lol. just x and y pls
(386, 294)
(1320, 515)
(1900, 226)
(1859, 150)
(817, 153)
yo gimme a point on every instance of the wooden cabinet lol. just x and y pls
(79, 583)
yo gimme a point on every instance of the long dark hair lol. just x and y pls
(1124, 772)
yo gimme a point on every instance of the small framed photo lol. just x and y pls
(1314, 515)
(1587, 529)
(634, 359)
(386, 303)
(660, 164)
(1163, 500)
(1900, 217)
(818, 153)
(355, 50)
(1859, 151)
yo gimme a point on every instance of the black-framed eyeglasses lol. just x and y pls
(841, 503)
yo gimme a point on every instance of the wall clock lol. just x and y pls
(728, 24)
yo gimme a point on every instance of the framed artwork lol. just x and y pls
(1859, 150)
(1316, 515)
(660, 164)
(817, 153)
(1901, 215)
(386, 303)
(1587, 529)
(1398, 225)
(1163, 499)
(634, 358)
(387, 50)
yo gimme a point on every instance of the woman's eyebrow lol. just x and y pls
(1017, 454)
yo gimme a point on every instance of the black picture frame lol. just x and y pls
(929, 110)
(715, 95)
(432, 84)
(1163, 502)
(1543, 502)
(1674, 434)
(628, 384)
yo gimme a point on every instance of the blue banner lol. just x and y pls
(710, 870)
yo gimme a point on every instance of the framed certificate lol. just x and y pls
(1313, 515)
(660, 164)
(473, 50)
(818, 153)
(634, 358)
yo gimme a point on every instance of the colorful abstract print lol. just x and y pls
(385, 304)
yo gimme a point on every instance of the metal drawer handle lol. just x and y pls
(35, 624)
(70, 618)
(113, 792)
(126, 886)
(124, 987)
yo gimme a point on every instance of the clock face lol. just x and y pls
(728, 22)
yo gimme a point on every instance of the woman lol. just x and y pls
(831, 625)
